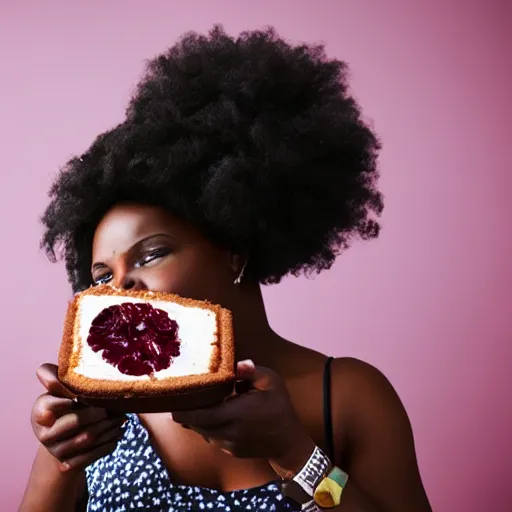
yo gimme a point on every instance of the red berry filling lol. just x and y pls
(135, 337)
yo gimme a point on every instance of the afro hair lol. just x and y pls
(255, 141)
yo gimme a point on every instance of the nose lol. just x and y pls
(129, 282)
(132, 283)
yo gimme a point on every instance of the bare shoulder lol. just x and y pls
(344, 368)
(364, 395)
(353, 375)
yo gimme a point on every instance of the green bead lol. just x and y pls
(339, 476)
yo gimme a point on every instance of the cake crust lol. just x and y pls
(177, 392)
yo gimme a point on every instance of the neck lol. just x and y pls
(254, 337)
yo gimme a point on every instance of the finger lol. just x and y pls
(49, 408)
(262, 379)
(67, 425)
(97, 434)
(209, 417)
(83, 460)
(48, 376)
(242, 387)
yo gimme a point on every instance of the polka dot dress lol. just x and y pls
(133, 477)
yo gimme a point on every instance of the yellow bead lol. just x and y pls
(328, 493)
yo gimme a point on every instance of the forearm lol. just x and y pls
(49, 489)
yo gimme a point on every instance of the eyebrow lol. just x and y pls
(101, 265)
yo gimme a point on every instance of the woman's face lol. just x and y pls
(142, 247)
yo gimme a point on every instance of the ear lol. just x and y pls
(236, 263)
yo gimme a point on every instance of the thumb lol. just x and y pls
(48, 376)
(262, 379)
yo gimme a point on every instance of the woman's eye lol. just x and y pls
(152, 256)
(104, 279)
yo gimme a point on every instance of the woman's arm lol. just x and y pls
(378, 448)
(51, 490)
(72, 437)
(373, 441)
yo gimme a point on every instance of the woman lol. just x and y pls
(239, 161)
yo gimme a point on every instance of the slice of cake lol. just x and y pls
(142, 351)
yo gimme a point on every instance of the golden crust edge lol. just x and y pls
(103, 388)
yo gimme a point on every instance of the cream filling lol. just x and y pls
(197, 330)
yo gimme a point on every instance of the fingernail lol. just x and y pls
(65, 466)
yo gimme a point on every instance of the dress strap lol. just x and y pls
(328, 427)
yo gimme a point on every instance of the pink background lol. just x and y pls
(428, 303)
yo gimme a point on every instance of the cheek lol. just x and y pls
(191, 276)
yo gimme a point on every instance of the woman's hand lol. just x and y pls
(75, 435)
(260, 423)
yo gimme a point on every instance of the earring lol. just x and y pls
(238, 280)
